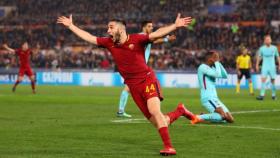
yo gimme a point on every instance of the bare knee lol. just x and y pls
(20, 79)
(32, 78)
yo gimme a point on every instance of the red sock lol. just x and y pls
(173, 116)
(164, 134)
(33, 85)
(17, 82)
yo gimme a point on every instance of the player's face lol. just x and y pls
(267, 40)
(25, 46)
(149, 28)
(114, 31)
(244, 52)
(215, 57)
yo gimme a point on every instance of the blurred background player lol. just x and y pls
(24, 62)
(147, 28)
(207, 74)
(243, 68)
(128, 51)
(268, 53)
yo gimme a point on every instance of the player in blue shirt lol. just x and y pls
(268, 53)
(207, 74)
(147, 28)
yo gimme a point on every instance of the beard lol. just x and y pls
(116, 37)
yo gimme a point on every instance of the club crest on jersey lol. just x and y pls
(131, 46)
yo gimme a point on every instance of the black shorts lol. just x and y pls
(244, 72)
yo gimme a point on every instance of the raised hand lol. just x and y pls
(5, 45)
(65, 21)
(182, 22)
(216, 56)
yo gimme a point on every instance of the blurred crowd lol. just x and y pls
(54, 46)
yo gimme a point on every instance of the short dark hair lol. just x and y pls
(208, 54)
(119, 21)
(267, 35)
(23, 40)
(145, 22)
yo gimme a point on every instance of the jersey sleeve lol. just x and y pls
(143, 38)
(212, 72)
(17, 51)
(223, 71)
(260, 52)
(103, 41)
(276, 52)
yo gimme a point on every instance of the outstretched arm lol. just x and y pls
(68, 22)
(5, 46)
(170, 38)
(258, 60)
(257, 63)
(163, 31)
(278, 58)
(278, 63)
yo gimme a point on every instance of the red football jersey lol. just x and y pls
(24, 57)
(129, 57)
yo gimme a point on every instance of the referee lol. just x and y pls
(243, 66)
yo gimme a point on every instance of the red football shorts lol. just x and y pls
(143, 91)
(25, 70)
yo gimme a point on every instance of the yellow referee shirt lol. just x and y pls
(243, 62)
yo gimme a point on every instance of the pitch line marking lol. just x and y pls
(239, 127)
(236, 112)
(143, 120)
(255, 111)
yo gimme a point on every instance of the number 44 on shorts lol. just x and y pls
(150, 89)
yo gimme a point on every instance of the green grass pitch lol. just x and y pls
(81, 122)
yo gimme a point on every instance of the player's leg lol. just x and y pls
(158, 119)
(238, 86)
(225, 113)
(33, 83)
(123, 102)
(273, 87)
(174, 115)
(212, 116)
(248, 77)
(32, 79)
(239, 77)
(263, 80)
(19, 79)
(251, 87)
(218, 113)
(153, 96)
(181, 110)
